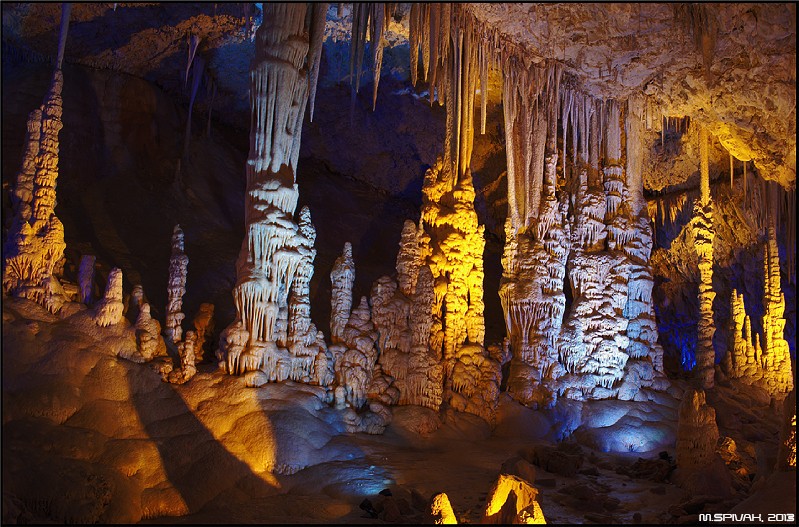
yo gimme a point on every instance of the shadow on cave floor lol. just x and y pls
(195, 462)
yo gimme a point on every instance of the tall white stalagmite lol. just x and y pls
(702, 225)
(276, 256)
(176, 288)
(35, 243)
(537, 236)
(645, 365)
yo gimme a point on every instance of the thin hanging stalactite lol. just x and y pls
(317, 36)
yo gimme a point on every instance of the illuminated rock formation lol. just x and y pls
(699, 467)
(135, 301)
(644, 367)
(276, 257)
(766, 361)
(742, 360)
(187, 370)
(176, 288)
(790, 444)
(512, 500)
(149, 342)
(702, 226)
(697, 433)
(424, 384)
(204, 327)
(776, 358)
(441, 512)
(410, 257)
(304, 342)
(342, 276)
(354, 367)
(108, 310)
(537, 237)
(455, 260)
(35, 244)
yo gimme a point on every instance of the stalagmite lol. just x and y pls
(409, 257)
(108, 310)
(531, 289)
(86, 278)
(644, 368)
(512, 500)
(204, 327)
(149, 342)
(273, 332)
(697, 432)
(187, 369)
(761, 361)
(176, 288)
(790, 444)
(342, 277)
(776, 357)
(35, 243)
(699, 467)
(702, 226)
(441, 512)
(354, 368)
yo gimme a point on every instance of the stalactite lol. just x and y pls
(360, 25)
(317, 35)
(376, 29)
(194, 43)
(199, 70)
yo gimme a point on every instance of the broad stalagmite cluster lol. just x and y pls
(763, 361)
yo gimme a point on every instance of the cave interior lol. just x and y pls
(398, 262)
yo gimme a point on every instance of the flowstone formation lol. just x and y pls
(766, 361)
(35, 244)
(271, 333)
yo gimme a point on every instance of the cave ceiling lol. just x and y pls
(730, 67)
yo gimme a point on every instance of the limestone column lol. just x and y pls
(702, 224)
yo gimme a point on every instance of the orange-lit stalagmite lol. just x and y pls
(35, 243)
